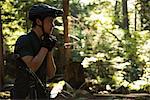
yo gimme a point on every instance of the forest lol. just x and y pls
(106, 50)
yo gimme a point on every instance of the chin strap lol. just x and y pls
(42, 27)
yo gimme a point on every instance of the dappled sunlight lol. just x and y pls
(101, 19)
(86, 62)
(85, 2)
(136, 85)
(109, 46)
(118, 77)
(144, 50)
(147, 45)
(121, 65)
(57, 88)
(118, 32)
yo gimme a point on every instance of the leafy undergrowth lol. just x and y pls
(62, 91)
(5, 95)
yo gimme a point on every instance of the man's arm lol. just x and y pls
(35, 62)
(51, 67)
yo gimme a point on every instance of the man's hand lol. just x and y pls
(48, 42)
(53, 42)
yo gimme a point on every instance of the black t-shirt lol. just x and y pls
(27, 45)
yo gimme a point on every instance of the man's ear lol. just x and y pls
(38, 22)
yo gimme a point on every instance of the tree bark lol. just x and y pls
(135, 19)
(1, 55)
(125, 18)
(73, 72)
(117, 21)
(144, 13)
(67, 51)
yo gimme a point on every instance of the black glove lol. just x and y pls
(53, 42)
(48, 41)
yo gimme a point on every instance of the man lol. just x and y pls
(34, 53)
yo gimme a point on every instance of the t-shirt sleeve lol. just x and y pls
(23, 47)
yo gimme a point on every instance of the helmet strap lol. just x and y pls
(42, 27)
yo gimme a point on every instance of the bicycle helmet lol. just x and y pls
(43, 10)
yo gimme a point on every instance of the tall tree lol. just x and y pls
(1, 54)
(66, 37)
(73, 70)
(117, 13)
(125, 16)
(145, 15)
(135, 18)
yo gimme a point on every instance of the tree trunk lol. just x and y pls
(144, 13)
(67, 51)
(125, 18)
(73, 72)
(135, 19)
(1, 55)
(117, 10)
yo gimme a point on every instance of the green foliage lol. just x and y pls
(143, 11)
(11, 24)
(109, 54)
(15, 19)
(121, 60)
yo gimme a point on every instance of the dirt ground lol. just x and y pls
(132, 96)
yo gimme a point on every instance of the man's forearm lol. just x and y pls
(39, 58)
(35, 62)
(51, 67)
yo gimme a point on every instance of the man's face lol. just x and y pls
(49, 24)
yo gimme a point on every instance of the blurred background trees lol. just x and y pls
(110, 38)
